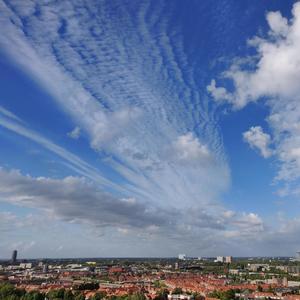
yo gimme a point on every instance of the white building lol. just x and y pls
(182, 256)
(25, 265)
(220, 259)
(224, 259)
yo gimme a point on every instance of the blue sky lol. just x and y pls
(149, 128)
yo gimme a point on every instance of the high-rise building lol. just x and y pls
(224, 259)
(45, 268)
(228, 259)
(14, 256)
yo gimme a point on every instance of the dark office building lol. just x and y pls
(45, 268)
(14, 256)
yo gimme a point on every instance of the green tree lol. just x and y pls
(177, 291)
(33, 295)
(162, 295)
(137, 296)
(56, 294)
(68, 295)
(228, 295)
(79, 297)
(198, 296)
(6, 290)
(99, 296)
(12, 297)
(224, 295)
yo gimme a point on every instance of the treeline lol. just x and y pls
(10, 292)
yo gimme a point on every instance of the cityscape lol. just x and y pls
(181, 278)
(149, 149)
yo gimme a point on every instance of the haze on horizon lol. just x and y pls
(149, 128)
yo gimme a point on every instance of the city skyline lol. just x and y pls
(149, 128)
(15, 259)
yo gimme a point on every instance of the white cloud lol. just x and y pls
(114, 219)
(218, 93)
(188, 148)
(75, 133)
(75, 199)
(277, 69)
(256, 138)
(7, 221)
(113, 125)
(273, 75)
(250, 220)
(72, 160)
(278, 24)
(9, 114)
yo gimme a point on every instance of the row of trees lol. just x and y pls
(10, 292)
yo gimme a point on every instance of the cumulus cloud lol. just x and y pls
(258, 139)
(249, 221)
(278, 24)
(75, 199)
(188, 148)
(272, 75)
(218, 93)
(277, 69)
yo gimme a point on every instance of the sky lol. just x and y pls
(149, 128)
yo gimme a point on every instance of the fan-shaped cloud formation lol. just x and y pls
(85, 63)
(129, 92)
